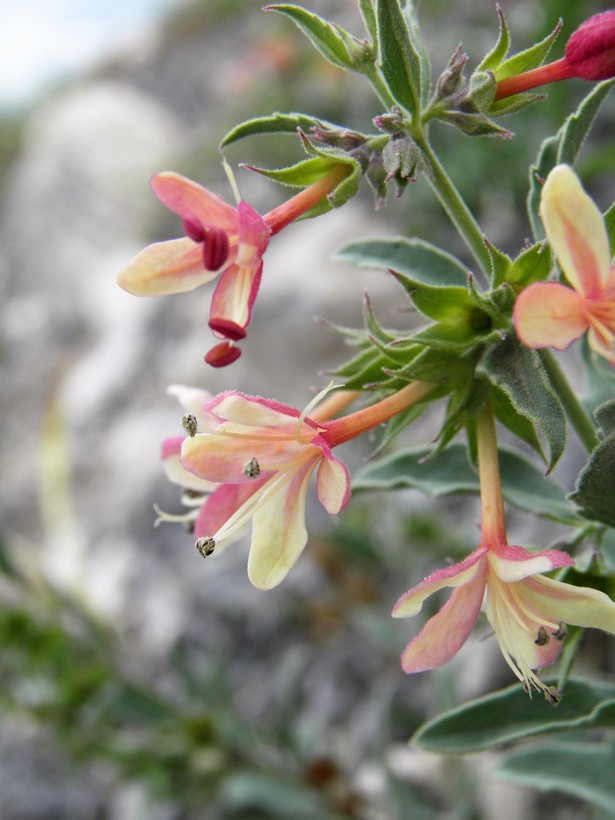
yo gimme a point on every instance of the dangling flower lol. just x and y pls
(589, 55)
(220, 241)
(261, 454)
(550, 314)
(526, 611)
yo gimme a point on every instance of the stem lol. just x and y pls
(348, 427)
(550, 73)
(455, 207)
(493, 530)
(297, 205)
(574, 410)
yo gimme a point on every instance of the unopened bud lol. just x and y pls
(590, 51)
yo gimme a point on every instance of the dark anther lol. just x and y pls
(215, 248)
(205, 546)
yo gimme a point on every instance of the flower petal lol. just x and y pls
(232, 301)
(547, 314)
(253, 411)
(253, 234)
(455, 575)
(218, 508)
(189, 200)
(175, 266)
(192, 400)
(578, 606)
(332, 484)
(446, 631)
(575, 228)
(278, 530)
(602, 343)
(175, 470)
(512, 563)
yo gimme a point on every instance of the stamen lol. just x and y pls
(542, 638)
(205, 546)
(194, 230)
(552, 695)
(251, 469)
(561, 632)
(189, 423)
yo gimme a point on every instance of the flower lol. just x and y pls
(526, 611)
(263, 453)
(550, 314)
(220, 241)
(589, 55)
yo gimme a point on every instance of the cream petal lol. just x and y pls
(578, 606)
(332, 485)
(512, 563)
(547, 314)
(175, 266)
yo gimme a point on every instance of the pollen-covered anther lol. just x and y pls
(189, 423)
(560, 633)
(215, 248)
(205, 546)
(552, 695)
(542, 637)
(251, 469)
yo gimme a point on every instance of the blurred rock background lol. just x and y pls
(139, 681)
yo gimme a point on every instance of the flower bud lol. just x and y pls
(590, 51)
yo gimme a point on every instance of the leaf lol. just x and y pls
(366, 7)
(275, 123)
(336, 45)
(595, 487)
(519, 372)
(415, 258)
(609, 221)
(510, 715)
(583, 770)
(563, 147)
(450, 473)
(400, 64)
(259, 794)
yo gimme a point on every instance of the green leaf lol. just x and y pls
(366, 7)
(275, 123)
(517, 424)
(499, 51)
(336, 45)
(583, 770)
(259, 794)
(510, 715)
(415, 258)
(609, 221)
(563, 147)
(595, 487)
(532, 57)
(414, 30)
(450, 473)
(400, 63)
(519, 372)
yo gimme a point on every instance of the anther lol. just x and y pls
(189, 423)
(251, 469)
(205, 546)
(543, 637)
(194, 230)
(560, 632)
(552, 695)
(215, 248)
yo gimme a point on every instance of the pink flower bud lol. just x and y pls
(590, 51)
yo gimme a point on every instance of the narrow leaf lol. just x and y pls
(399, 62)
(275, 123)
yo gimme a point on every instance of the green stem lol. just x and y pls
(574, 410)
(455, 207)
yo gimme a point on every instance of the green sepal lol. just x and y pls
(563, 147)
(475, 125)
(520, 374)
(532, 265)
(495, 57)
(500, 263)
(595, 487)
(530, 58)
(335, 44)
(414, 258)
(365, 369)
(399, 61)
(509, 715)
(514, 104)
(464, 402)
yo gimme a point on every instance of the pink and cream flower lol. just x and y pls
(551, 314)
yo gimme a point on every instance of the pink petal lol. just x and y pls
(176, 472)
(579, 606)
(446, 631)
(332, 485)
(220, 506)
(515, 563)
(547, 314)
(191, 201)
(278, 530)
(253, 411)
(232, 300)
(175, 266)
(454, 575)
(253, 234)
(222, 354)
(575, 228)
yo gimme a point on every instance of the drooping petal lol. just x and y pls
(218, 508)
(278, 530)
(233, 299)
(191, 201)
(578, 606)
(175, 470)
(511, 563)
(455, 575)
(333, 485)
(547, 314)
(446, 631)
(575, 228)
(175, 266)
